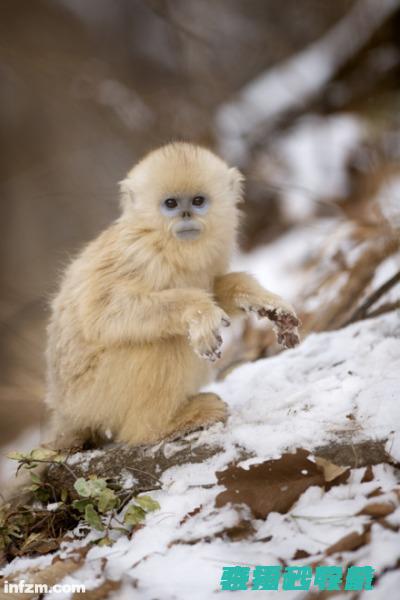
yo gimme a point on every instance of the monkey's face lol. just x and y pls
(184, 211)
(184, 194)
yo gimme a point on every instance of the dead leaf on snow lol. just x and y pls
(377, 509)
(331, 471)
(299, 554)
(241, 531)
(368, 474)
(273, 485)
(349, 542)
(191, 514)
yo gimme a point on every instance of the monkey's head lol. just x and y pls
(185, 193)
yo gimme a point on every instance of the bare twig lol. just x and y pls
(362, 311)
(384, 308)
(337, 313)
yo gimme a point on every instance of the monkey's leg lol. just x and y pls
(65, 435)
(238, 292)
(200, 410)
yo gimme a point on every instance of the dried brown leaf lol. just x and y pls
(273, 485)
(330, 470)
(241, 531)
(299, 554)
(368, 474)
(191, 514)
(349, 542)
(378, 509)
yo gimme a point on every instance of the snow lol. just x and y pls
(313, 388)
(278, 266)
(300, 398)
(389, 200)
(314, 154)
(21, 564)
(288, 85)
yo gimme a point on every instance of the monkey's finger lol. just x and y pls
(288, 338)
(218, 337)
(288, 320)
(212, 356)
(282, 317)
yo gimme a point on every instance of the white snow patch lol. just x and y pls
(300, 398)
(289, 84)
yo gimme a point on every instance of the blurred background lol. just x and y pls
(302, 95)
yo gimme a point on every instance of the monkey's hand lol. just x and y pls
(236, 292)
(278, 311)
(204, 323)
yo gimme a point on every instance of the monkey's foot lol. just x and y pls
(280, 313)
(72, 440)
(201, 410)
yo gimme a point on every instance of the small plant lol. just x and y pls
(96, 503)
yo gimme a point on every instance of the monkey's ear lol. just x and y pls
(126, 193)
(237, 183)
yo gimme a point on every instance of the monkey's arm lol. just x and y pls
(236, 293)
(127, 316)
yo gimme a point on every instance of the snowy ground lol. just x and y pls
(338, 387)
(342, 385)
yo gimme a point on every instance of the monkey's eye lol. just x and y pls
(198, 201)
(170, 203)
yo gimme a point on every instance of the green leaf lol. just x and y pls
(93, 518)
(81, 504)
(64, 495)
(105, 541)
(46, 454)
(17, 456)
(37, 454)
(89, 487)
(82, 487)
(107, 500)
(147, 503)
(121, 530)
(43, 494)
(35, 478)
(97, 486)
(134, 515)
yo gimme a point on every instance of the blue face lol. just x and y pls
(185, 209)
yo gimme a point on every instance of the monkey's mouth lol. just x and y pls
(187, 231)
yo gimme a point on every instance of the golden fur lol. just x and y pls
(138, 311)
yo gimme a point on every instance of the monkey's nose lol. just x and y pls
(186, 214)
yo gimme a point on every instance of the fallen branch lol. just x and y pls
(145, 464)
(148, 463)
